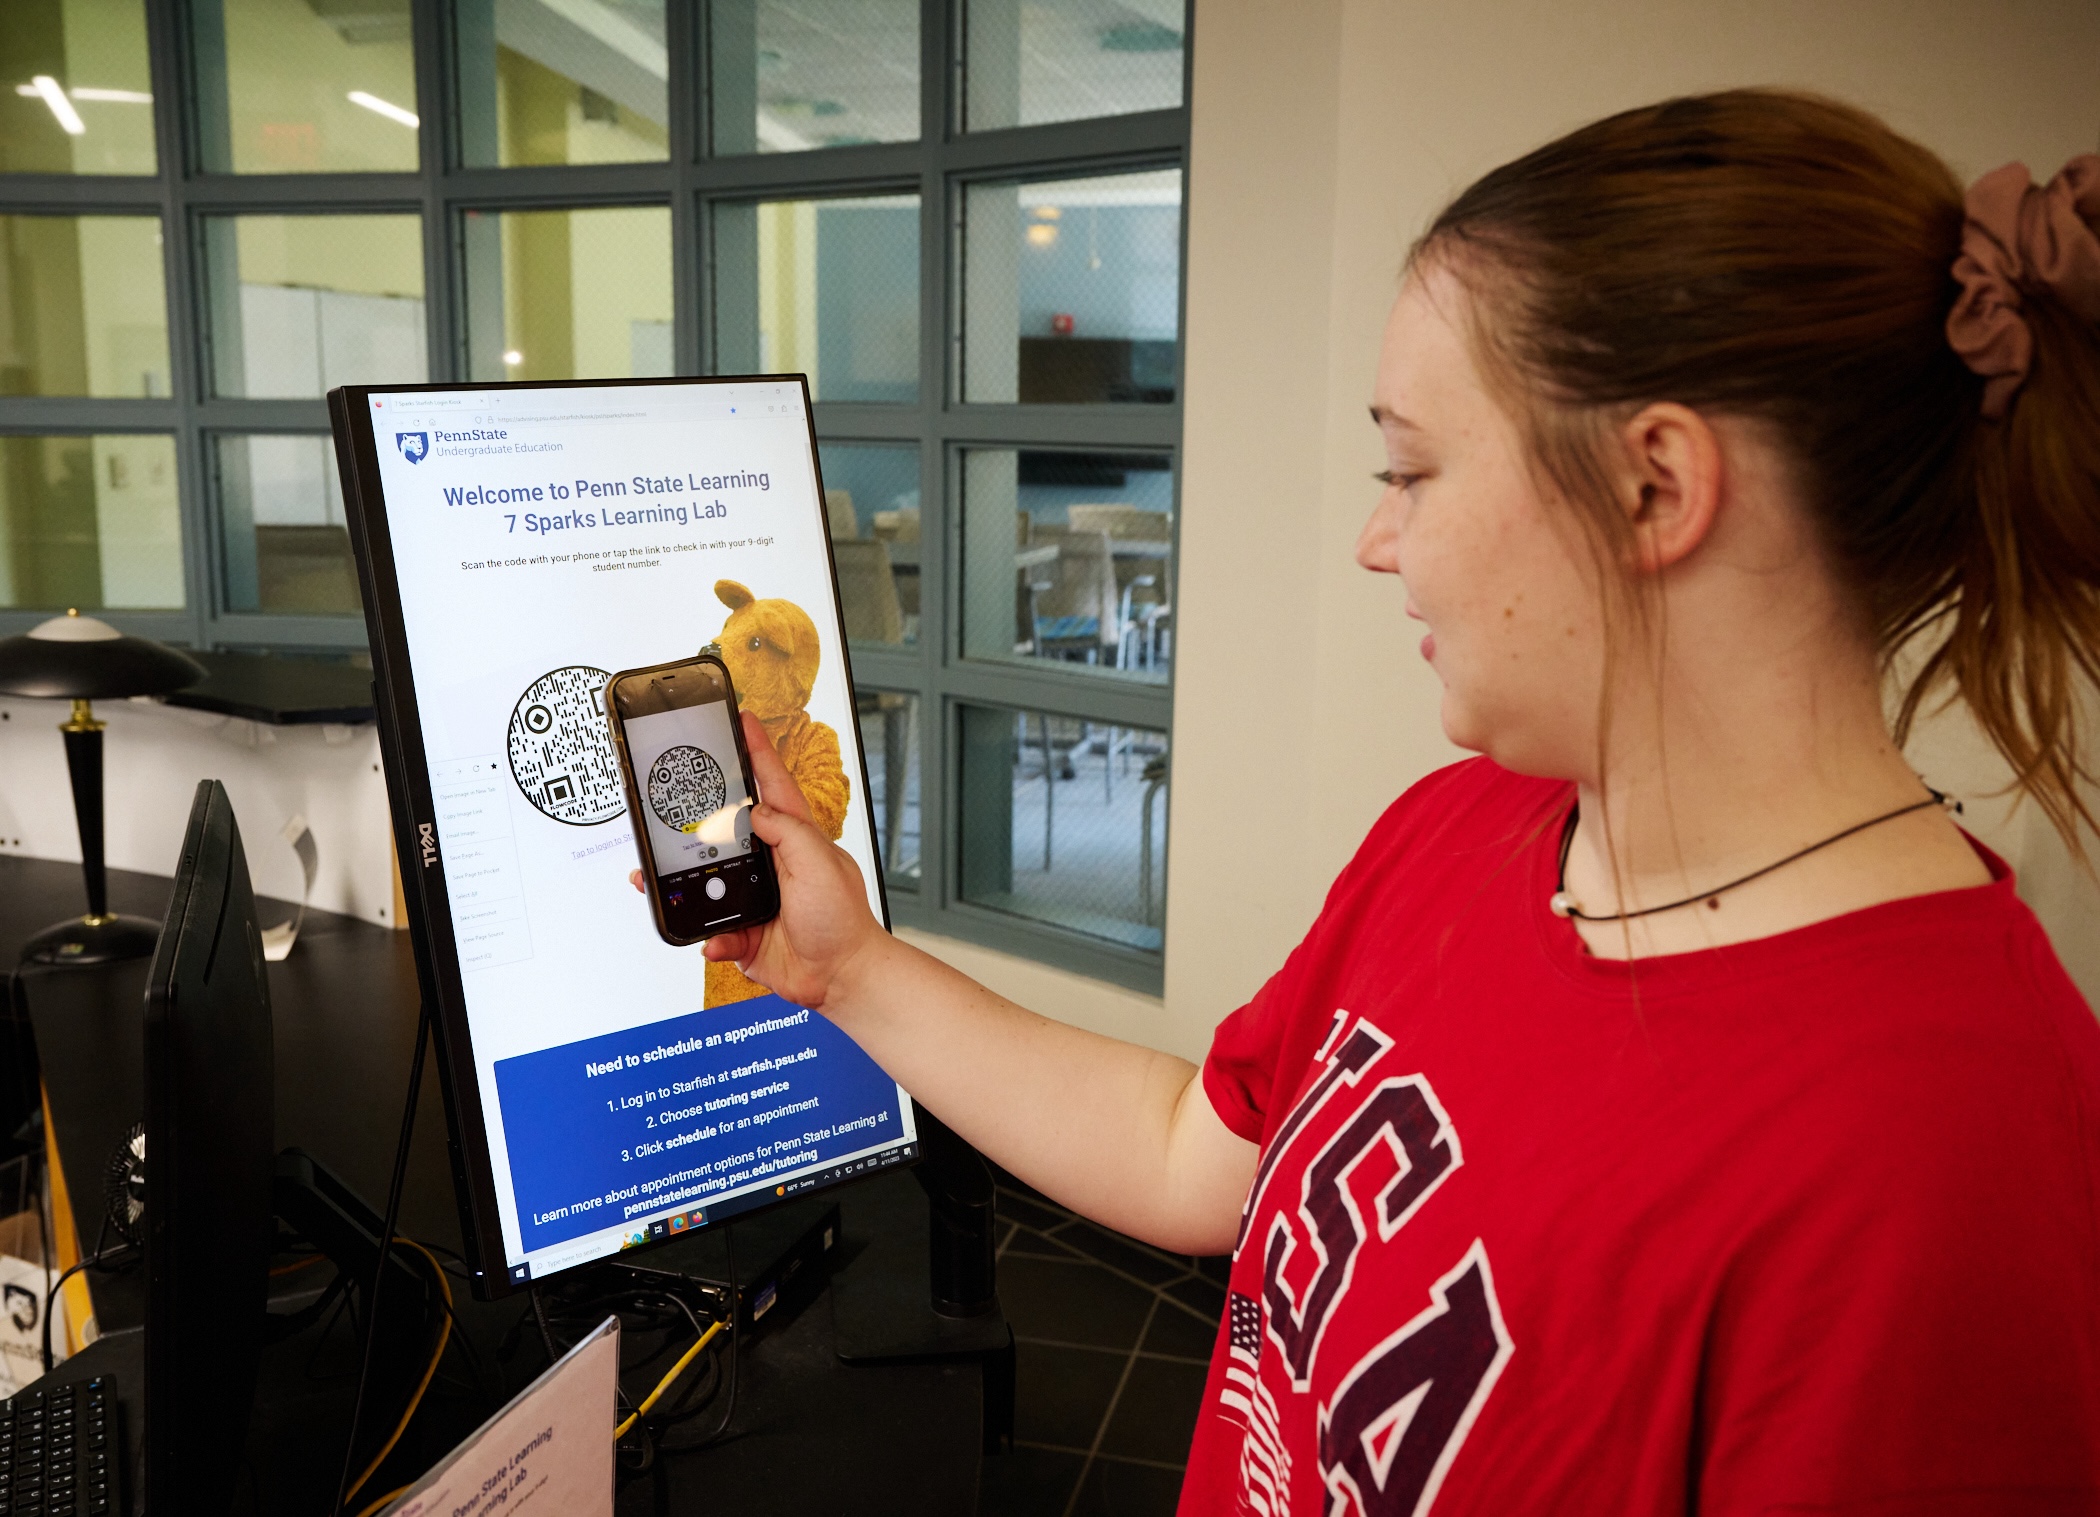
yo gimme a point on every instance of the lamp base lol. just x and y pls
(93, 940)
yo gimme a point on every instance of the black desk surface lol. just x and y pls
(811, 1434)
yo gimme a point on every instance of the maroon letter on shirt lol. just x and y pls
(1402, 1414)
(1363, 1044)
(1402, 1116)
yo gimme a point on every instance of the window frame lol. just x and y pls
(938, 166)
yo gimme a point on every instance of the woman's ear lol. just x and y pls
(1672, 484)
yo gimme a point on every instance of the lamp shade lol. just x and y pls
(82, 658)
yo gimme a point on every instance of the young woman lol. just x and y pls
(1672, 1109)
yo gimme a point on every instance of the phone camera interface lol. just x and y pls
(696, 808)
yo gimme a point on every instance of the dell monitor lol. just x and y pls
(516, 544)
(210, 1131)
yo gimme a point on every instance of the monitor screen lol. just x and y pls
(519, 544)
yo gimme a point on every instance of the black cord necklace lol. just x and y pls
(1565, 905)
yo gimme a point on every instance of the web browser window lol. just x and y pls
(544, 538)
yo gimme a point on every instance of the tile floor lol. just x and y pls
(1112, 1340)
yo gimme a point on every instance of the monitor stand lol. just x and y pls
(933, 1295)
(317, 1204)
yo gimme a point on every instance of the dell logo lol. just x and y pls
(414, 446)
(428, 843)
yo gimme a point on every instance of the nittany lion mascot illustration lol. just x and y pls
(771, 649)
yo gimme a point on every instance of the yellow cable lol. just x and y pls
(665, 1384)
(381, 1503)
(429, 1374)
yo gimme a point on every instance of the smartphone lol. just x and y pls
(689, 790)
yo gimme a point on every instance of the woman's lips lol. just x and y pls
(1429, 645)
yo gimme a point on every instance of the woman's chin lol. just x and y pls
(1507, 743)
(1462, 726)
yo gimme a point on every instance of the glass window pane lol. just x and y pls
(1072, 290)
(569, 294)
(286, 546)
(827, 288)
(554, 81)
(1069, 557)
(84, 310)
(1064, 821)
(75, 91)
(889, 736)
(303, 86)
(301, 304)
(89, 522)
(790, 75)
(1032, 61)
(871, 496)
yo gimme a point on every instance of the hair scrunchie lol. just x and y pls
(2020, 235)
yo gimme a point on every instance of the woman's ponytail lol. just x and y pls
(2022, 621)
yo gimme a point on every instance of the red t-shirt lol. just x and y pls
(1804, 1225)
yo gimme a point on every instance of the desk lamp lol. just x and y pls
(80, 658)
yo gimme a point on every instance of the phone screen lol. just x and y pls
(694, 803)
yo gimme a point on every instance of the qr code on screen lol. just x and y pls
(561, 751)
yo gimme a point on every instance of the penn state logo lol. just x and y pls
(414, 446)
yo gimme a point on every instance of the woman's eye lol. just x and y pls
(1393, 477)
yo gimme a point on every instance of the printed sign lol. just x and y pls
(549, 1453)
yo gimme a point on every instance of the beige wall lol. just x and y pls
(1326, 133)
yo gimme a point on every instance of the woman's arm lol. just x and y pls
(1120, 1133)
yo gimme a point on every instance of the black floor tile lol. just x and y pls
(1156, 1414)
(1174, 1331)
(1116, 1489)
(1119, 1252)
(1026, 1240)
(1061, 1394)
(1200, 1293)
(1216, 1267)
(1027, 1483)
(1071, 1302)
(1028, 1211)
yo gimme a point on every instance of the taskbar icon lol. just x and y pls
(665, 1227)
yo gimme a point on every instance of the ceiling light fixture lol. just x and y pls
(514, 358)
(115, 97)
(61, 107)
(385, 108)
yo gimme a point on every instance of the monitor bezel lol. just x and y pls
(418, 849)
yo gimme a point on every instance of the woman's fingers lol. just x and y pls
(776, 787)
(732, 946)
(634, 878)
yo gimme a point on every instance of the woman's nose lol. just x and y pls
(1378, 545)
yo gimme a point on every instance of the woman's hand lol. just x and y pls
(1122, 1133)
(824, 927)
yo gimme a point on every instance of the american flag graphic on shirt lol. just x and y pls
(1265, 1465)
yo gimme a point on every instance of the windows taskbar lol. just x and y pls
(697, 1217)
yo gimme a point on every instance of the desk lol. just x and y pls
(811, 1433)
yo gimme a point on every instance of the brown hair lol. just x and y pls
(1789, 258)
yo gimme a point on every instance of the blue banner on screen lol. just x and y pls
(614, 1130)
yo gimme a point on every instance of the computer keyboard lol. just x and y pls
(59, 1453)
